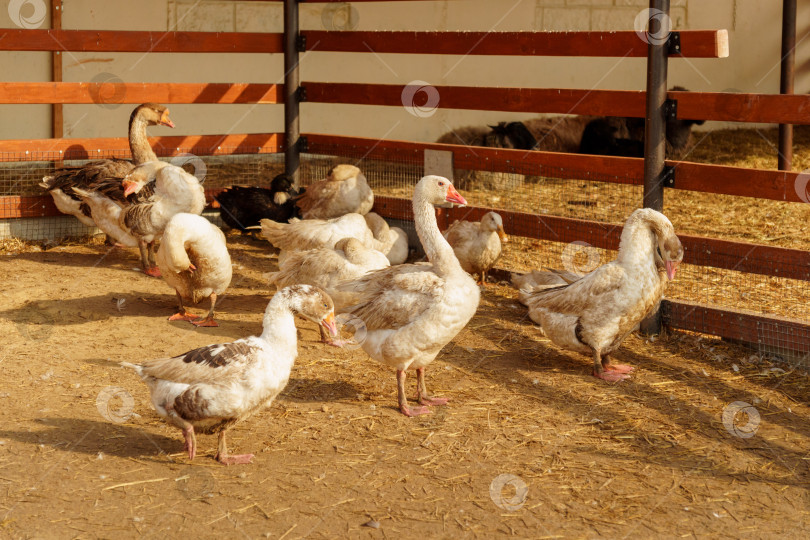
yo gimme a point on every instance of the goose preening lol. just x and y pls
(477, 245)
(411, 311)
(593, 314)
(327, 267)
(175, 191)
(87, 177)
(208, 390)
(245, 206)
(394, 240)
(194, 261)
(343, 191)
(302, 235)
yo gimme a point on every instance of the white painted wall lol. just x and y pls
(754, 29)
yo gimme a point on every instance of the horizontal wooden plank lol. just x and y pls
(694, 43)
(698, 250)
(738, 181)
(539, 100)
(120, 92)
(739, 325)
(13, 39)
(204, 145)
(735, 107)
(731, 107)
(602, 168)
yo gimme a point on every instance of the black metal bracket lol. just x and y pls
(671, 109)
(667, 178)
(674, 43)
(301, 43)
(303, 144)
(301, 94)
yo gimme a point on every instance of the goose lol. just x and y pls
(411, 311)
(343, 191)
(593, 314)
(245, 206)
(302, 235)
(327, 267)
(87, 177)
(194, 261)
(394, 240)
(477, 245)
(175, 191)
(210, 389)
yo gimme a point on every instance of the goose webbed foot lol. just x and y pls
(206, 322)
(603, 369)
(230, 459)
(153, 271)
(404, 408)
(422, 395)
(184, 315)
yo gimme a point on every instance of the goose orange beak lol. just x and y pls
(130, 187)
(502, 235)
(329, 323)
(672, 267)
(165, 120)
(454, 196)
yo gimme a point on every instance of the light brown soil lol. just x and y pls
(83, 455)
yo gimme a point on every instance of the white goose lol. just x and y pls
(394, 240)
(477, 245)
(594, 314)
(210, 389)
(176, 191)
(412, 311)
(194, 261)
(302, 235)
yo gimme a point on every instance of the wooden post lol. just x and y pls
(292, 129)
(56, 62)
(655, 125)
(786, 80)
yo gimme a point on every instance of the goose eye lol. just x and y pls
(325, 305)
(441, 183)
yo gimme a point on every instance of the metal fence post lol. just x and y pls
(786, 80)
(292, 128)
(655, 123)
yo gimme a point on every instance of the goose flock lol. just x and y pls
(336, 256)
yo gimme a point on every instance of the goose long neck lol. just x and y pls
(438, 251)
(279, 323)
(637, 244)
(138, 143)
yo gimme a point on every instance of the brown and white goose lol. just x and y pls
(210, 389)
(88, 177)
(594, 313)
(175, 191)
(343, 191)
(411, 311)
(194, 261)
(477, 245)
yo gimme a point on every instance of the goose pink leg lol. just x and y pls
(403, 400)
(603, 369)
(227, 459)
(422, 395)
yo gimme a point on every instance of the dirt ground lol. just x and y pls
(531, 445)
